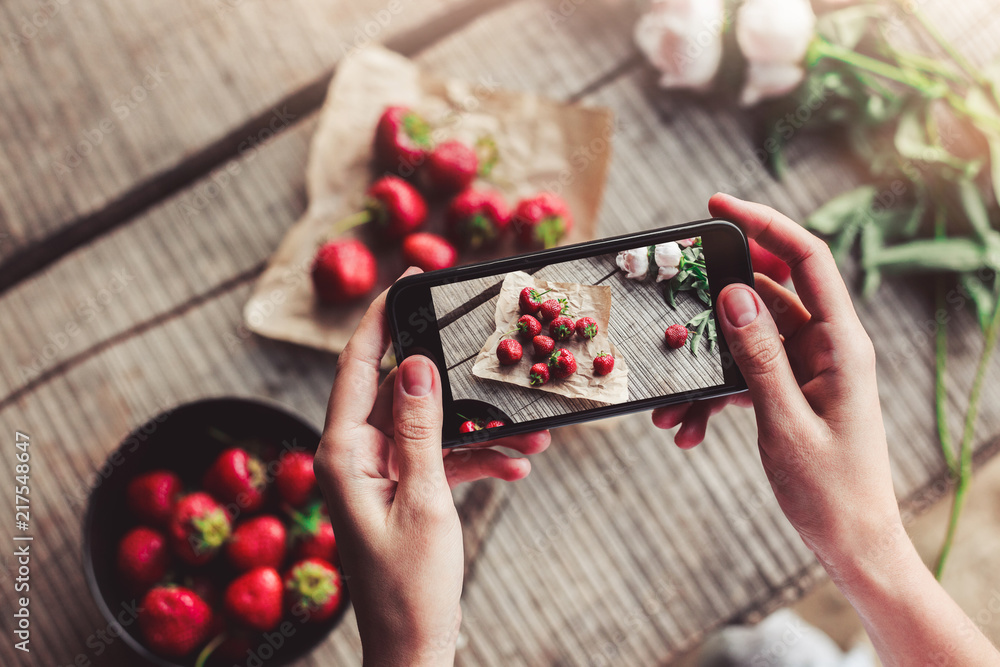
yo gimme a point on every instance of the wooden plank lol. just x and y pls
(113, 105)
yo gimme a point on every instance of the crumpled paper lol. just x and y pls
(542, 144)
(584, 301)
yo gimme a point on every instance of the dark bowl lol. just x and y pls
(180, 440)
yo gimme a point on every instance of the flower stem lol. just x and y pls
(823, 49)
(965, 453)
(941, 359)
(945, 45)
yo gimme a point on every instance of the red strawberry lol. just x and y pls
(528, 326)
(401, 140)
(542, 221)
(604, 363)
(143, 558)
(450, 167)
(257, 542)
(586, 328)
(314, 586)
(152, 495)
(428, 251)
(528, 300)
(477, 218)
(343, 271)
(553, 308)
(313, 536)
(198, 528)
(539, 374)
(394, 207)
(295, 480)
(543, 346)
(237, 477)
(562, 363)
(174, 621)
(254, 599)
(509, 352)
(469, 426)
(562, 328)
(496, 423)
(766, 262)
(676, 335)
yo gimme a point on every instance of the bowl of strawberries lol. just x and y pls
(206, 532)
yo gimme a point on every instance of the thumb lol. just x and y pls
(756, 347)
(417, 420)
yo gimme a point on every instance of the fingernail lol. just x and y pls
(740, 308)
(417, 377)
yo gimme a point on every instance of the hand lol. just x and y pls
(814, 394)
(383, 473)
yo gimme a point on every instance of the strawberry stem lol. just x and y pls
(210, 647)
(352, 221)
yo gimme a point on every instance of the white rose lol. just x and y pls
(635, 263)
(683, 39)
(687, 243)
(774, 36)
(668, 259)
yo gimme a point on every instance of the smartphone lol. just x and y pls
(469, 321)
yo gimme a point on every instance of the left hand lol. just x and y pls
(388, 486)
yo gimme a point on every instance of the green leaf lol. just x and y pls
(842, 210)
(912, 142)
(948, 254)
(975, 208)
(872, 242)
(979, 102)
(982, 297)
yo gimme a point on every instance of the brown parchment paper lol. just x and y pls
(543, 145)
(584, 301)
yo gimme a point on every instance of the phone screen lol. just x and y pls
(545, 341)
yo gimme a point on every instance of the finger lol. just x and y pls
(381, 415)
(692, 430)
(784, 305)
(356, 385)
(814, 272)
(530, 443)
(474, 464)
(417, 418)
(671, 415)
(756, 347)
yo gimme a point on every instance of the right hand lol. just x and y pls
(814, 394)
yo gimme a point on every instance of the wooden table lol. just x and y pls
(152, 158)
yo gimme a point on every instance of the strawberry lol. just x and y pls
(496, 423)
(553, 308)
(766, 262)
(237, 477)
(604, 363)
(295, 480)
(562, 363)
(543, 346)
(676, 335)
(257, 542)
(469, 426)
(313, 535)
(539, 374)
(143, 558)
(401, 140)
(586, 328)
(198, 528)
(343, 270)
(542, 221)
(253, 599)
(152, 495)
(450, 167)
(393, 206)
(528, 327)
(528, 300)
(509, 352)
(174, 621)
(477, 218)
(428, 251)
(562, 328)
(313, 586)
